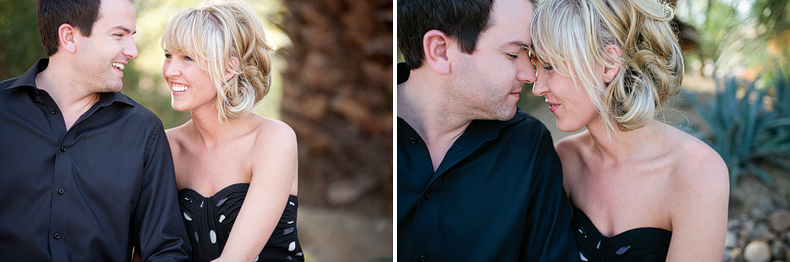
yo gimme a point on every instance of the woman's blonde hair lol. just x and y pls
(213, 33)
(572, 35)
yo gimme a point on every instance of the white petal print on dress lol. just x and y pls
(213, 236)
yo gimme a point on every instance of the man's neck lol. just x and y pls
(69, 94)
(421, 105)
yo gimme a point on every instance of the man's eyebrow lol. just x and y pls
(127, 30)
(522, 45)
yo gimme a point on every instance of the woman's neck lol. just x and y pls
(624, 145)
(212, 130)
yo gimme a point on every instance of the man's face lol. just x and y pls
(488, 81)
(103, 55)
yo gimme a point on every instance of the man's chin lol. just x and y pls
(506, 115)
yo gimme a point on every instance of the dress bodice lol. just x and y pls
(639, 244)
(209, 221)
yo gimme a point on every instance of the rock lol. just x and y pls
(746, 228)
(766, 205)
(757, 251)
(735, 252)
(726, 256)
(779, 220)
(760, 230)
(758, 213)
(731, 240)
(779, 249)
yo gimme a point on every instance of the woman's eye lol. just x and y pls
(168, 56)
(188, 58)
(512, 56)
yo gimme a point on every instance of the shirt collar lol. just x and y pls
(28, 79)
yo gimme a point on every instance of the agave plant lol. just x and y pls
(746, 126)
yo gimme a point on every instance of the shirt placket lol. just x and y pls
(62, 177)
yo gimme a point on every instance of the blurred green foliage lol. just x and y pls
(741, 38)
(20, 47)
(747, 126)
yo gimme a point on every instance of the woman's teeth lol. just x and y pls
(179, 88)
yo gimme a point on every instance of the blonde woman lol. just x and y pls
(236, 171)
(641, 190)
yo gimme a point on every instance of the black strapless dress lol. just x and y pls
(209, 219)
(639, 244)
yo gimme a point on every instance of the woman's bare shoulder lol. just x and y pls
(699, 167)
(274, 138)
(177, 135)
(572, 146)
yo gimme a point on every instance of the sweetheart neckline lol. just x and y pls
(627, 232)
(218, 192)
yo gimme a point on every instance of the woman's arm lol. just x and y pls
(273, 173)
(699, 212)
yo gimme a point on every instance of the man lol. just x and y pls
(86, 172)
(478, 179)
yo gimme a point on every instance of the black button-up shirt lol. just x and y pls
(496, 196)
(89, 193)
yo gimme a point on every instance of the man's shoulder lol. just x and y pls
(6, 83)
(135, 110)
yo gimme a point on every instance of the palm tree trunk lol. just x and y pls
(337, 96)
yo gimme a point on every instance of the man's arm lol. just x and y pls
(548, 222)
(158, 228)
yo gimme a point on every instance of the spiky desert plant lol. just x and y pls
(747, 126)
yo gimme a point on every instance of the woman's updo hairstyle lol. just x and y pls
(212, 34)
(572, 35)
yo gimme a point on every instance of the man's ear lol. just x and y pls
(435, 45)
(234, 65)
(66, 34)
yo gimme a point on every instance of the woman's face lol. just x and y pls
(190, 86)
(567, 101)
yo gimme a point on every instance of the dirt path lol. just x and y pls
(333, 235)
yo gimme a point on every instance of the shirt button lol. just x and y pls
(423, 258)
(57, 236)
(427, 195)
(53, 111)
(61, 191)
(412, 140)
(63, 149)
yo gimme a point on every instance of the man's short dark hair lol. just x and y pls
(81, 14)
(461, 19)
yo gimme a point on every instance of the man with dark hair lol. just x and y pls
(86, 172)
(478, 179)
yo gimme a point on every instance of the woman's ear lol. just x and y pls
(435, 45)
(66, 34)
(234, 65)
(614, 54)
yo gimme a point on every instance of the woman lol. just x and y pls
(641, 190)
(236, 171)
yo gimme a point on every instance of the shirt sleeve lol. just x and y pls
(158, 228)
(548, 235)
